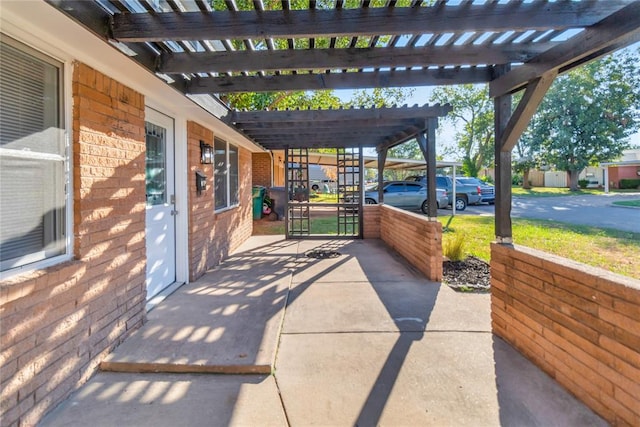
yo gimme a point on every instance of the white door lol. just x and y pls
(161, 225)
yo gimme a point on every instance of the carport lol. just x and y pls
(562, 315)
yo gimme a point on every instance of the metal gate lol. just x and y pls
(306, 216)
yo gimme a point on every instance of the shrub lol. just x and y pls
(629, 184)
(516, 178)
(583, 183)
(454, 246)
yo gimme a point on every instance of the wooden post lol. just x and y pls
(427, 142)
(502, 114)
(382, 159)
(361, 192)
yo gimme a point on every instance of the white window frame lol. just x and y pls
(38, 49)
(227, 176)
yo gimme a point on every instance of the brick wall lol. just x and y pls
(371, 222)
(212, 236)
(579, 324)
(261, 169)
(415, 238)
(60, 322)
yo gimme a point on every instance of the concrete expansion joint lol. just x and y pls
(284, 408)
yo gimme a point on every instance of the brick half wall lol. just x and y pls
(579, 324)
(413, 236)
(371, 222)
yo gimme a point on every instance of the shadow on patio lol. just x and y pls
(359, 339)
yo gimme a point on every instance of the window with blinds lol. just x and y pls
(32, 157)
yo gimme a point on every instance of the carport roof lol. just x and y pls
(315, 158)
(286, 45)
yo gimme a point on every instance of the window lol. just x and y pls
(413, 188)
(395, 188)
(225, 174)
(33, 159)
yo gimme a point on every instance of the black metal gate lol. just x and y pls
(321, 211)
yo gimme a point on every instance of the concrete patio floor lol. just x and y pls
(359, 339)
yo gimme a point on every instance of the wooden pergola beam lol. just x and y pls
(342, 115)
(381, 123)
(519, 120)
(324, 59)
(619, 29)
(343, 130)
(224, 25)
(349, 80)
(280, 145)
(367, 139)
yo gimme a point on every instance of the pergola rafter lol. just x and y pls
(364, 21)
(340, 80)
(328, 59)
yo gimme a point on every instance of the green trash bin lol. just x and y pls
(258, 200)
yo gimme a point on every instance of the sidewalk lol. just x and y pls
(357, 339)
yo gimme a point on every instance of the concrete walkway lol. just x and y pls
(358, 339)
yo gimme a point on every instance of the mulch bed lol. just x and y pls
(469, 275)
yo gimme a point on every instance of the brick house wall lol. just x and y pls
(414, 237)
(261, 168)
(579, 324)
(60, 322)
(621, 172)
(212, 236)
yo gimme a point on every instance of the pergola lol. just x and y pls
(333, 44)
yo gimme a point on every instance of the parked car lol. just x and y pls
(465, 194)
(487, 190)
(405, 194)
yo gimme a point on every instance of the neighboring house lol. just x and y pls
(605, 175)
(628, 167)
(99, 208)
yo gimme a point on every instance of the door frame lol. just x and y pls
(181, 204)
(168, 222)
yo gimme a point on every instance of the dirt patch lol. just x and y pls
(469, 275)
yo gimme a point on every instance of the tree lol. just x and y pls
(587, 115)
(379, 97)
(472, 108)
(525, 158)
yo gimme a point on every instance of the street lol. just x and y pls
(592, 210)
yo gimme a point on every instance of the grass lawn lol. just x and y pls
(614, 250)
(633, 203)
(323, 197)
(551, 192)
(322, 225)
